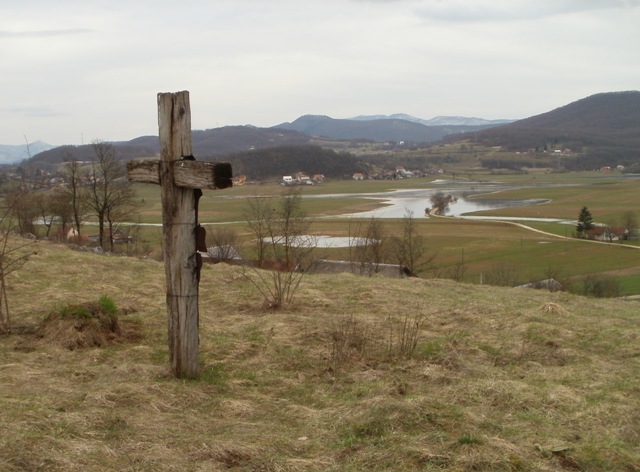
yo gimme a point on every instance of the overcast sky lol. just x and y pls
(74, 71)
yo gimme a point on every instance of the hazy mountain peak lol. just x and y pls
(10, 154)
(437, 121)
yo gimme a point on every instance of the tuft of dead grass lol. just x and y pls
(551, 307)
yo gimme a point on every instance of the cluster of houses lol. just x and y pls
(118, 236)
(396, 174)
(301, 178)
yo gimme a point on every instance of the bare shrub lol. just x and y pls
(403, 335)
(367, 245)
(455, 272)
(503, 275)
(283, 247)
(14, 252)
(349, 339)
(222, 246)
(599, 286)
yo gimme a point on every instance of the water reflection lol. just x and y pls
(396, 203)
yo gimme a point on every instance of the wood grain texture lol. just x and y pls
(179, 226)
(186, 173)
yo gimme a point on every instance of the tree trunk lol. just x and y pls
(101, 229)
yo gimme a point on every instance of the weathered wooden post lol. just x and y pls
(180, 178)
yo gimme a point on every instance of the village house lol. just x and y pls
(608, 233)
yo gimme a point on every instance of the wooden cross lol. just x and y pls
(180, 177)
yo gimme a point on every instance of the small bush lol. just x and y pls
(600, 286)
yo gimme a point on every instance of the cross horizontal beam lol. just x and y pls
(187, 173)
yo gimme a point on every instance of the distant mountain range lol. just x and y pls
(216, 142)
(437, 121)
(11, 154)
(602, 127)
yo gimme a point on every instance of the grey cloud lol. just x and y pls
(42, 33)
(33, 112)
(503, 10)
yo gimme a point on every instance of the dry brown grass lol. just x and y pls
(499, 379)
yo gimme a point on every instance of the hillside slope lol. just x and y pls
(359, 374)
(606, 124)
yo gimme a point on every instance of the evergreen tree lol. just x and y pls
(585, 222)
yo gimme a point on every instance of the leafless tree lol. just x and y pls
(258, 215)
(410, 249)
(121, 206)
(60, 208)
(368, 244)
(20, 202)
(14, 252)
(110, 195)
(630, 223)
(608, 232)
(73, 177)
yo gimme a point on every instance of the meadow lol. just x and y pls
(358, 373)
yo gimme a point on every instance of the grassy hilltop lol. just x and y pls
(357, 374)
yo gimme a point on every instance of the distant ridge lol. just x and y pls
(379, 129)
(207, 144)
(437, 121)
(602, 129)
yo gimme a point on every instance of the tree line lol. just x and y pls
(88, 189)
(286, 160)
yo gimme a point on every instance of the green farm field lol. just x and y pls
(478, 244)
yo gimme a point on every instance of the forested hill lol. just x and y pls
(602, 126)
(380, 130)
(273, 163)
(207, 144)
